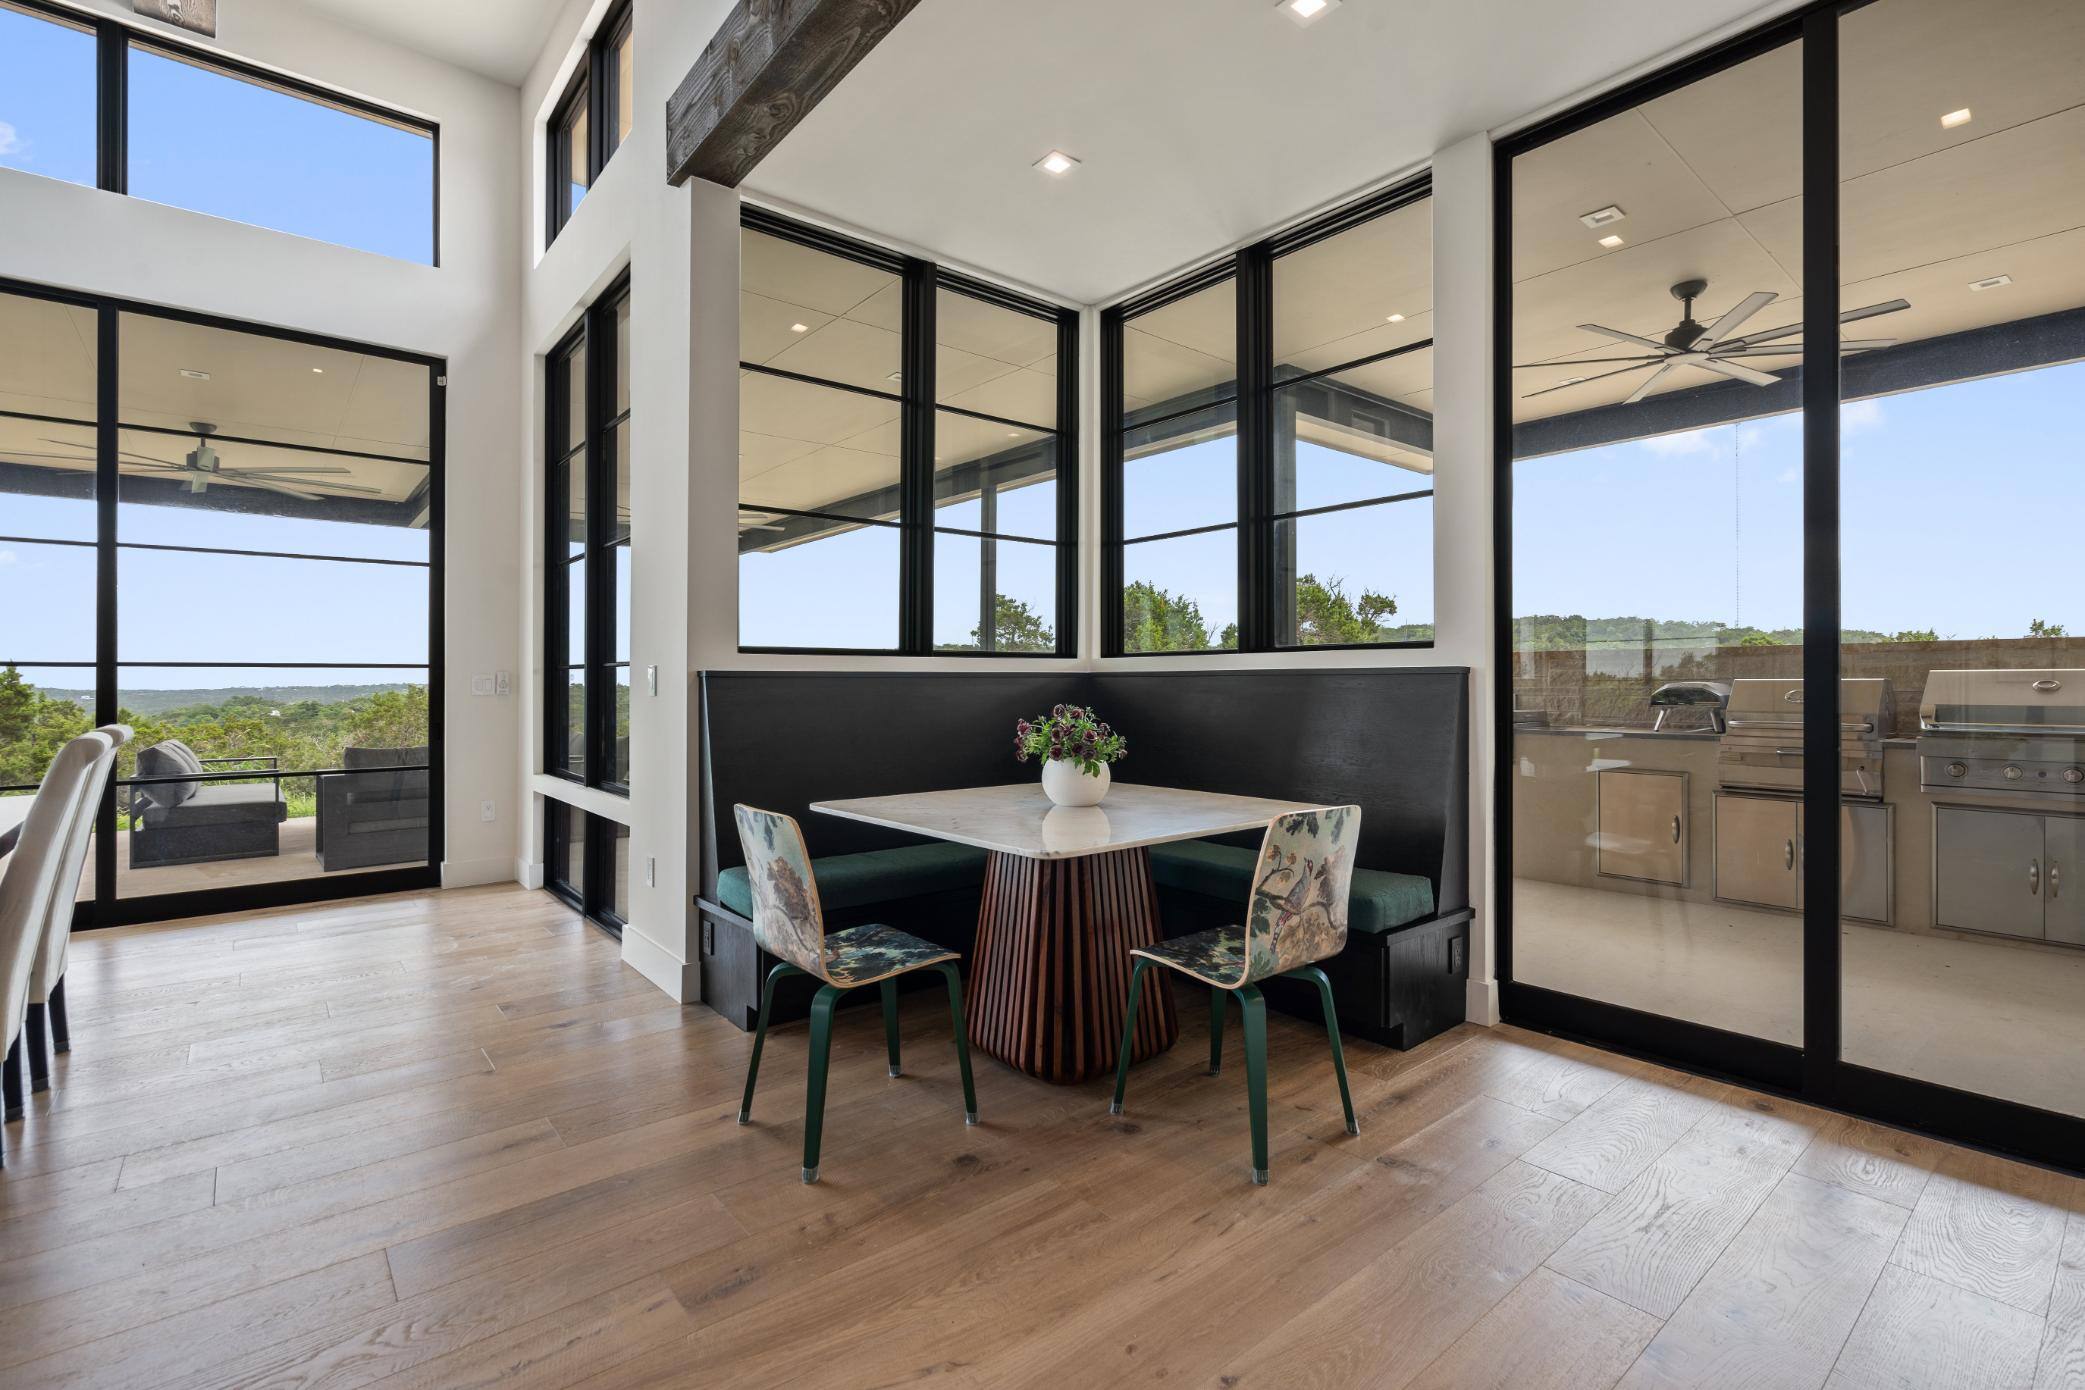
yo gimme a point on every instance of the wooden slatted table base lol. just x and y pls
(1050, 978)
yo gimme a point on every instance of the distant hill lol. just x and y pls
(162, 701)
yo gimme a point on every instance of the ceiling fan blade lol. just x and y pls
(1738, 370)
(285, 470)
(64, 443)
(1772, 350)
(1648, 382)
(331, 487)
(1620, 336)
(1772, 333)
(279, 487)
(1889, 306)
(1730, 322)
(1585, 380)
(31, 454)
(1592, 361)
(140, 461)
(1866, 344)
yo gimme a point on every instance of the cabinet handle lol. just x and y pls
(2055, 882)
(2034, 876)
(1675, 829)
(1788, 854)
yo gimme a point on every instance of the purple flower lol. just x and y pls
(1022, 728)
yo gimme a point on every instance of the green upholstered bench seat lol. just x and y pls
(874, 876)
(1378, 901)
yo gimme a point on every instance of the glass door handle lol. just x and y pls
(1788, 854)
(2034, 876)
(2055, 882)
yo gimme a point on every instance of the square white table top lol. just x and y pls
(1020, 819)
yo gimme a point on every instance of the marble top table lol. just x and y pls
(1068, 894)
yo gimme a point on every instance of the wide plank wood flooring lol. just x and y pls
(450, 1140)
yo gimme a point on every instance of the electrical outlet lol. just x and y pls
(651, 872)
(502, 683)
(481, 685)
(651, 679)
(1455, 961)
(485, 810)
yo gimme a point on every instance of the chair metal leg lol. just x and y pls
(61, 1031)
(11, 1081)
(36, 1049)
(1129, 1034)
(1339, 1056)
(890, 1024)
(954, 977)
(822, 1005)
(767, 1000)
(1217, 1002)
(1255, 1010)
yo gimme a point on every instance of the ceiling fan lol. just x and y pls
(1714, 349)
(202, 467)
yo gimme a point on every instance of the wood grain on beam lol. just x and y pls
(770, 63)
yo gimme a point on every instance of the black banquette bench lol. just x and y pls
(1393, 741)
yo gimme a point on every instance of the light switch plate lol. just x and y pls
(651, 872)
(651, 679)
(481, 685)
(502, 683)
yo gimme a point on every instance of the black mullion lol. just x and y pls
(437, 609)
(557, 546)
(983, 536)
(1176, 535)
(249, 554)
(112, 107)
(109, 356)
(821, 516)
(1821, 596)
(597, 133)
(1067, 483)
(1028, 425)
(988, 569)
(1200, 408)
(1111, 406)
(1369, 361)
(916, 454)
(898, 398)
(600, 568)
(1255, 449)
(1351, 506)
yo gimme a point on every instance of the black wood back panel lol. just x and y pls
(1394, 741)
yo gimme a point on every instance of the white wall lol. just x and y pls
(80, 238)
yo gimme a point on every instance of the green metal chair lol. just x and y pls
(788, 923)
(1296, 916)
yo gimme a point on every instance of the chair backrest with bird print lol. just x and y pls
(1298, 911)
(787, 920)
(32, 871)
(57, 932)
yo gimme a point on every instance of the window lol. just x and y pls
(130, 113)
(250, 519)
(1270, 475)
(591, 120)
(587, 863)
(901, 437)
(46, 95)
(586, 589)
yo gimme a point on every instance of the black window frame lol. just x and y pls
(595, 332)
(595, 88)
(920, 284)
(594, 896)
(1265, 599)
(114, 38)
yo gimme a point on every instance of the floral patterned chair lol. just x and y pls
(789, 924)
(1296, 916)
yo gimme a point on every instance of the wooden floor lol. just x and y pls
(449, 1140)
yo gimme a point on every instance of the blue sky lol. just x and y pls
(201, 140)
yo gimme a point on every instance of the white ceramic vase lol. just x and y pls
(1064, 784)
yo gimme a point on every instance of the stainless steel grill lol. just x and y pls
(2015, 732)
(1762, 746)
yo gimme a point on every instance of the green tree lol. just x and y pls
(1325, 616)
(1916, 634)
(2038, 628)
(33, 727)
(1016, 628)
(1158, 620)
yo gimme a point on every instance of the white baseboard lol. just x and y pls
(471, 873)
(681, 980)
(1482, 1002)
(528, 875)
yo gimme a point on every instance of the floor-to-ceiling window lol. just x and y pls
(232, 536)
(1794, 416)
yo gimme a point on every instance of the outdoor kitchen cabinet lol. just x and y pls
(1759, 855)
(1642, 819)
(2014, 873)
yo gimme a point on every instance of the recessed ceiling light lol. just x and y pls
(799, 328)
(1304, 11)
(193, 375)
(1610, 241)
(1990, 282)
(318, 371)
(1955, 118)
(1057, 162)
(1395, 318)
(1603, 217)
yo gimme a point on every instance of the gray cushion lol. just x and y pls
(224, 803)
(1377, 900)
(873, 876)
(165, 759)
(359, 758)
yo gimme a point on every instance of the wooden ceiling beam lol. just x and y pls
(771, 62)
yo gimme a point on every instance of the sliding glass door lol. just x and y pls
(232, 536)
(1793, 617)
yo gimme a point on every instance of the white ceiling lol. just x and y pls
(1200, 122)
(493, 38)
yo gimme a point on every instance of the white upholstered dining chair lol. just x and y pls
(31, 876)
(47, 974)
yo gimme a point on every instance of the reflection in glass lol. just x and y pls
(1183, 354)
(993, 477)
(817, 314)
(1180, 474)
(1181, 594)
(814, 448)
(577, 158)
(47, 370)
(1361, 575)
(619, 747)
(57, 623)
(619, 863)
(803, 582)
(202, 138)
(46, 705)
(1364, 291)
(47, 74)
(994, 595)
(994, 360)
